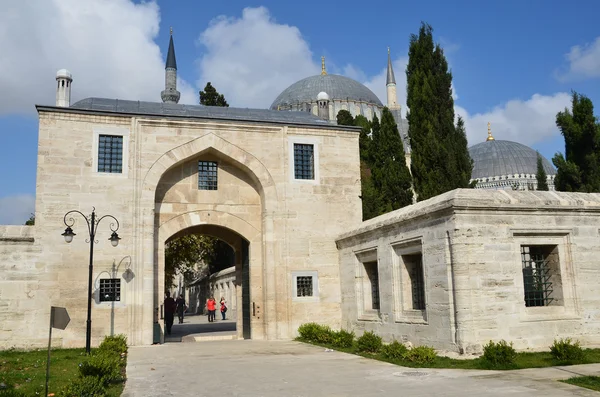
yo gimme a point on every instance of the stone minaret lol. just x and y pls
(63, 88)
(170, 94)
(392, 97)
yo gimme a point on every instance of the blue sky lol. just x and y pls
(514, 62)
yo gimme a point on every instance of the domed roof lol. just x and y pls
(64, 73)
(336, 86)
(322, 96)
(496, 158)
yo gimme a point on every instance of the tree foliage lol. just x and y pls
(540, 176)
(31, 220)
(344, 117)
(578, 170)
(440, 159)
(210, 97)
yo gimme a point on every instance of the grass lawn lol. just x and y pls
(589, 382)
(25, 371)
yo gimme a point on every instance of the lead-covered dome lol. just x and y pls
(505, 158)
(336, 86)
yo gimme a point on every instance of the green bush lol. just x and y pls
(342, 338)
(369, 342)
(87, 386)
(116, 343)
(499, 354)
(421, 355)
(394, 351)
(103, 364)
(565, 350)
(313, 332)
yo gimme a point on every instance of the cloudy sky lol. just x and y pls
(514, 62)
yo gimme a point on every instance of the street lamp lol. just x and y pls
(92, 223)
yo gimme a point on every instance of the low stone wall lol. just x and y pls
(220, 284)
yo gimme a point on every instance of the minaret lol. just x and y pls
(170, 94)
(392, 97)
(63, 88)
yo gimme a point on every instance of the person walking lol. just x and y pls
(181, 308)
(211, 304)
(169, 307)
(223, 307)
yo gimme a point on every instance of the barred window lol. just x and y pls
(110, 290)
(304, 161)
(207, 175)
(304, 286)
(110, 154)
(414, 268)
(539, 272)
(372, 274)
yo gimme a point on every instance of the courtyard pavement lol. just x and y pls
(287, 368)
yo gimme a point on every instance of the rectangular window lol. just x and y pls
(110, 290)
(540, 274)
(110, 154)
(414, 268)
(304, 286)
(373, 285)
(304, 161)
(207, 175)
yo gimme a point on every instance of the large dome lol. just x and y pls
(337, 87)
(501, 158)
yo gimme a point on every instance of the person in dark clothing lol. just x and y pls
(181, 307)
(169, 306)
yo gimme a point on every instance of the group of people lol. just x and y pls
(172, 306)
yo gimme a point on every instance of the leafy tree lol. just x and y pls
(210, 97)
(345, 118)
(364, 141)
(540, 176)
(187, 255)
(440, 159)
(31, 220)
(578, 170)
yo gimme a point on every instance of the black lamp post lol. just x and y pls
(92, 223)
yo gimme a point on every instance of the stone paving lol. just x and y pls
(287, 368)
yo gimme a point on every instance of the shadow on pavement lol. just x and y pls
(198, 325)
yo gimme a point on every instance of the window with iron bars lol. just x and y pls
(537, 274)
(110, 154)
(414, 268)
(207, 175)
(110, 290)
(304, 161)
(373, 276)
(304, 286)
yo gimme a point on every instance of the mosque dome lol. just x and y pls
(322, 96)
(339, 88)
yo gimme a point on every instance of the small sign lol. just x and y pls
(60, 317)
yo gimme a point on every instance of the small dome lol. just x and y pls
(322, 96)
(64, 73)
(496, 158)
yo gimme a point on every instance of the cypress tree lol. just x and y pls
(344, 118)
(440, 159)
(210, 97)
(540, 176)
(578, 170)
(364, 139)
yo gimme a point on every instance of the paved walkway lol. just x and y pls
(197, 327)
(276, 368)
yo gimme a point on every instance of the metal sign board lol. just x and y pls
(60, 317)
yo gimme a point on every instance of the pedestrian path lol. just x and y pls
(196, 328)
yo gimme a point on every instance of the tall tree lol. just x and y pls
(187, 255)
(540, 176)
(344, 117)
(364, 141)
(210, 97)
(440, 159)
(578, 170)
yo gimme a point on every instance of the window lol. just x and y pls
(414, 269)
(110, 154)
(110, 290)
(304, 164)
(207, 175)
(541, 275)
(372, 280)
(304, 286)
(410, 302)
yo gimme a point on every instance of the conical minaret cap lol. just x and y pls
(391, 79)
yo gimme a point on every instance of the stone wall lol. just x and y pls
(471, 243)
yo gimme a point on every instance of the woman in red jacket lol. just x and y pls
(211, 304)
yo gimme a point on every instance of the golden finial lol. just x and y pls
(171, 30)
(490, 137)
(323, 71)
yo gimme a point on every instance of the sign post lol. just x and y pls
(59, 318)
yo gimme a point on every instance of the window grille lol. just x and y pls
(110, 290)
(207, 175)
(536, 275)
(373, 275)
(304, 161)
(304, 286)
(417, 284)
(110, 154)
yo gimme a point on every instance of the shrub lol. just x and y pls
(313, 332)
(565, 350)
(105, 365)
(421, 355)
(394, 351)
(369, 342)
(343, 339)
(116, 343)
(499, 354)
(87, 386)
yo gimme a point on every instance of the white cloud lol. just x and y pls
(108, 45)
(16, 210)
(251, 59)
(584, 62)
